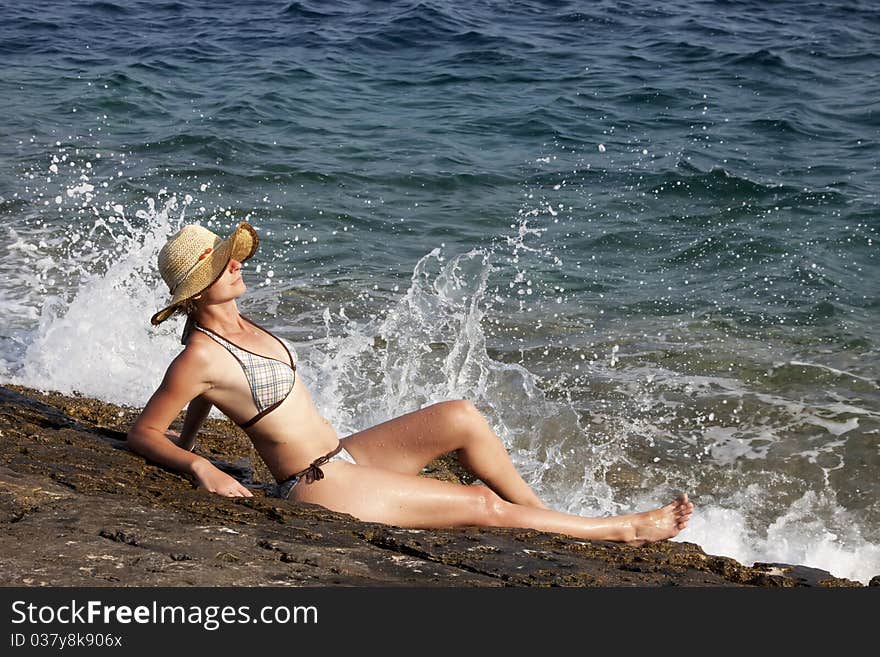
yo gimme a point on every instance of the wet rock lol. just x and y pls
(804, 575)
(77, 508)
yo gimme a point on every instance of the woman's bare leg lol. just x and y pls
(378, 495)
(408, 443)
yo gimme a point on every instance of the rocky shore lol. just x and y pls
(77, 508)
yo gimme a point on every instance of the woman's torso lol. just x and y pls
(287, 438)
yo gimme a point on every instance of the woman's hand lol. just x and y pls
(214, 480)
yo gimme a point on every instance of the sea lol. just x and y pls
(641, 237)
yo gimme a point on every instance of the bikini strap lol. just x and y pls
(314, 472)
(235, 352)
(219, 338)
(279, 340)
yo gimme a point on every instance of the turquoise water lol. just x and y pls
(642, 238)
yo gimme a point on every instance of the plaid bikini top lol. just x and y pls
(270, 380)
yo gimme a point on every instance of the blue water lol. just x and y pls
(642, 237)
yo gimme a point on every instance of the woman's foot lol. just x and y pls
(662, 523)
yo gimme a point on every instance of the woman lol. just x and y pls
(374, 475)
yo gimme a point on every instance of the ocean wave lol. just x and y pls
(478, 58)
(784, 129)
(23, 35)
(761, 58)
(680, 52)
(474, 39)
(866, 114)
(12, 206)
(20, 19)
(604, 20)
(282, 73)
(851, 57)
(688, 180)
(649, 96)
(730, 249)
(636, 240)
(427, 18)
(717, 30)
(302, 10)
(200, 144)
(819, 375)
(128, 83)
(825, 312)
(169, 7)
(107, 7)
(417, 26)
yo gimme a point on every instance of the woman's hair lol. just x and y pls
(187, 307)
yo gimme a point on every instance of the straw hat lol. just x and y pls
(194, 257)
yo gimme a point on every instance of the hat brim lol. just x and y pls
(241, 245)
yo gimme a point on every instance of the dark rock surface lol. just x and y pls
(77, 508)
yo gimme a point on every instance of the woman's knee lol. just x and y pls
(460, 414)
(493, 511)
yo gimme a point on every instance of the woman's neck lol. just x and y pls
(221, 318)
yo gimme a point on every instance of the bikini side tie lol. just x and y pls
(313, 472)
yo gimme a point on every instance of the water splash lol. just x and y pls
(98, 342)
(430, 347)
(814, 530)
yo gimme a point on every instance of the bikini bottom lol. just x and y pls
(312, 473)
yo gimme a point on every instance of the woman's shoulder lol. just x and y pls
(196, 354)
(190, 372)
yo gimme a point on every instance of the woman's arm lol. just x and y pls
(147, 435)
(196, 413)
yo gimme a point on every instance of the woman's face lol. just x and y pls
(229, 286)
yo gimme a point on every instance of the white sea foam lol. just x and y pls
(99, 342)
(430, 347)
(814, 531)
